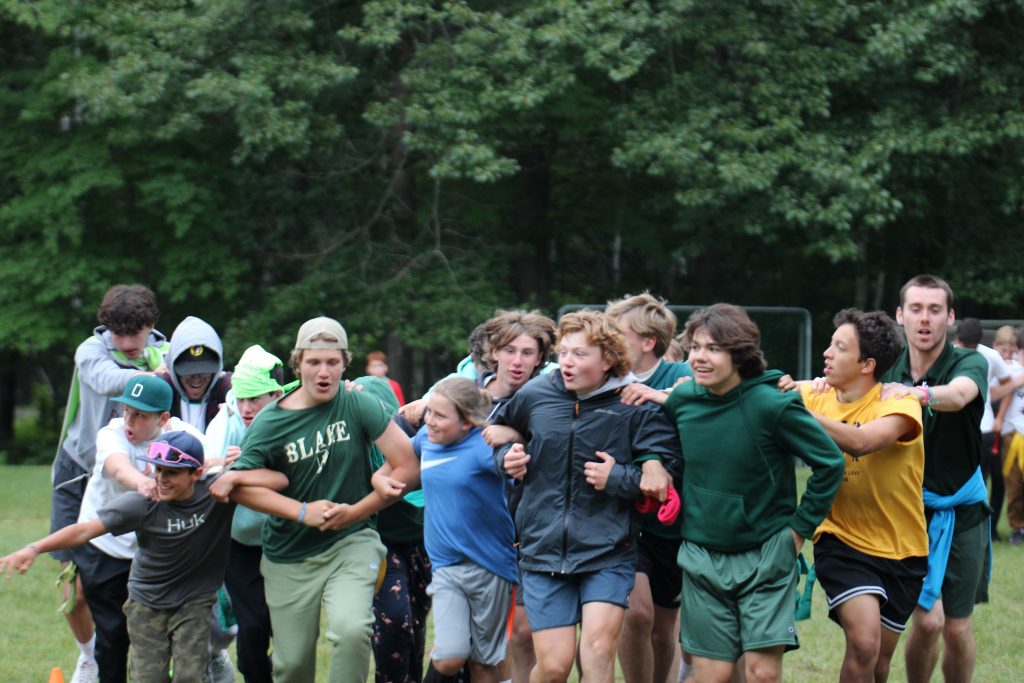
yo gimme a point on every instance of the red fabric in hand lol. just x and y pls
(667, 511)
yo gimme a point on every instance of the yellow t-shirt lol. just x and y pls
(878, 509)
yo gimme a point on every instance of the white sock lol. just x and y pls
(685, 670)
(89, 649)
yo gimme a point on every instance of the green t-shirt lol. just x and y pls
(324, 452)
(952, 441)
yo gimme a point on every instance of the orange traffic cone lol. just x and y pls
(56, 676)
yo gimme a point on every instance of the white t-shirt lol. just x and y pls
(103, 488)
(997, 371)
(1014, 420)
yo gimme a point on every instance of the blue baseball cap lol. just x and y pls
(175, 449)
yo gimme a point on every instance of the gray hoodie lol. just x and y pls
(99, 378)
(193, 331)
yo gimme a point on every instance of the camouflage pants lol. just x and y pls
(163, 639)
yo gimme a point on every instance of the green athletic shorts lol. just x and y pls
(964, 584)
(736, 602)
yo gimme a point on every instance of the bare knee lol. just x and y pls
(640, 616)
(600, 646)
(521, 638)
(958, 633)
(552, 669)
(661, 639)
(763, 669)
(862, 647)
(448, 667)
(929, 624)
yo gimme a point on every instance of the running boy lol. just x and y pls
(320, 436)
(742, 526)
(871, 552)
(581, 474)
(181, 559)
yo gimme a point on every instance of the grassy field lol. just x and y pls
(34, 637)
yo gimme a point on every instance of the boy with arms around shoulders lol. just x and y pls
(180, 562)
(742, 525)
(104, 563)
(581, 476)
(871, 552)
(319, 436)
(951, 385)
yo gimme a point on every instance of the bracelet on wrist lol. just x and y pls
(35, 548)
(302, 512)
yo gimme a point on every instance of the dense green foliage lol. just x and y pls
(407, 166)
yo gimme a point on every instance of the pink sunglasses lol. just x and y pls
(170, 454)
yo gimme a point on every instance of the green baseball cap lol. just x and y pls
(147, 393)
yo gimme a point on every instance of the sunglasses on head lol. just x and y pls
(170, 454)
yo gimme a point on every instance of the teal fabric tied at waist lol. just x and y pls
(940, 534)
(803, 599)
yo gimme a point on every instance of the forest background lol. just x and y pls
(409, 166)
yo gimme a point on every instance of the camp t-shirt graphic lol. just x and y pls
(325, 453)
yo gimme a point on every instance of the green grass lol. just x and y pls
(34, 637)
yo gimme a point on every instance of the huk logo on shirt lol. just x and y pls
(318, 445)
(176, 526)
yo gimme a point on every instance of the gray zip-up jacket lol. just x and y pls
(565, 525)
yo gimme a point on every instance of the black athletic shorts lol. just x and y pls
(845, 573)
(69, 480)
(658, 558)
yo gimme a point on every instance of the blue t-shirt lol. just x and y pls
(465, 505)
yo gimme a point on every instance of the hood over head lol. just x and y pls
(195, 348)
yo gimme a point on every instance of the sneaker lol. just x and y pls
(221, 669)
(1017, 537)
(87, 670)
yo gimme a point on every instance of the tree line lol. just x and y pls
(409, 165)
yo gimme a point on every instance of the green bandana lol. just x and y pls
(252, 376)
(151, 358)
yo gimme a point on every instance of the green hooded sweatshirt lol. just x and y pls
(739, 485)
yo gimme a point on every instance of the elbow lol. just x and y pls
(860, 448)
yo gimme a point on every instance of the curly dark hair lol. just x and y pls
(732, 329)
(128, 309)
(877, 335)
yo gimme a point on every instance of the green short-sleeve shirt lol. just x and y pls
(952, 441)
(325, 453)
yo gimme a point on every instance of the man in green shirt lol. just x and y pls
(320, 436)
(951, 384)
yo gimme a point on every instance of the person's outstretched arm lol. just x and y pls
(70, 536)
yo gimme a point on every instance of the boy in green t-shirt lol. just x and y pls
(320, 436)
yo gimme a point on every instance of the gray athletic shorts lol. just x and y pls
(471, 608)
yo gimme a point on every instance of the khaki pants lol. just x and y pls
(342, 578)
